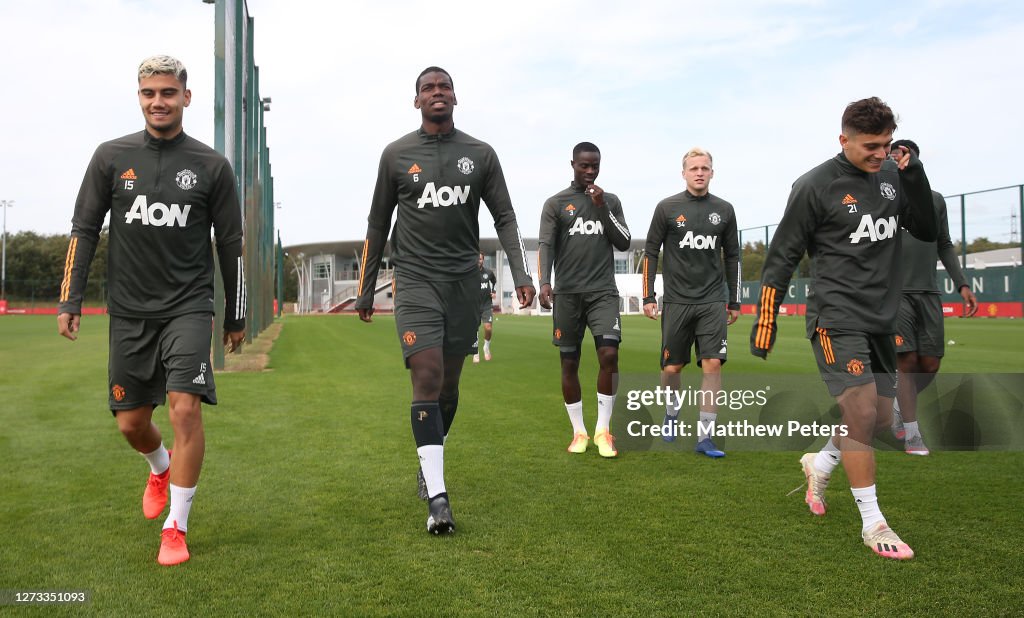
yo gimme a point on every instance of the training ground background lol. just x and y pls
(307, 500)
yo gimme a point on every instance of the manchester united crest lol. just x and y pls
(715, 218)
(466, 165)
(186, 179)
(888, 191)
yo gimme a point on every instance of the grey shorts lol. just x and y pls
(437, 314)
(486, 311)
(150, 357)
(574, 313)
(682, 326)
(850, 358)
(919, 325)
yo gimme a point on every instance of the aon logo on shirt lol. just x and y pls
(445, 196)
(582, 226)
(698, 241)
(157, 214)
(875, 229)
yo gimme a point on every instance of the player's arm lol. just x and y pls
(546, 250)
(227, 231)
(496, 197)
(919, 212)
(94, 197)
(947, 254)
(385, 198)
(731, 258)
(784, 254)
(652, 248)
(615, 228)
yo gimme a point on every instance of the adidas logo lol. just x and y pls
(849, 199)
(415, 169)
(129, 175)
(681, 219)
(199, 379)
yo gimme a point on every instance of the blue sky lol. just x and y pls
(761, 84)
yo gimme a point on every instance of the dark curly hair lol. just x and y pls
(870, 116)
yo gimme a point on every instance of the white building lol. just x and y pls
(329, 276)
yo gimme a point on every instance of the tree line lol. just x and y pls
(35, 269)
(35, 266)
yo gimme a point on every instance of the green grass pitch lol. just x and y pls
(307, 501)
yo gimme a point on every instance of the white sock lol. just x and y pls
(706, 426)
(575, 411)
(159, 460)
(896, 405)
(181, 504)
(605, 406)
(912, 430)
(867, 502)
(432, 465)
(487, 346)
(827, 458)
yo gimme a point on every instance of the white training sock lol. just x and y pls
(159, 460)
(487, 346)
(867, 502)
(827, 458)
(432, 465)
(605, 406)
(912, 430)
(706, 426)
(181, 504)
(575, 411)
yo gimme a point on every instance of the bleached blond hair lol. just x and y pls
(163, 65)
(697, 151)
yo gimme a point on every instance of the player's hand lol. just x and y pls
(233, 340)
(734, 314)
(545, 296)
(651, 310)
(67, 325)
(901, 155)
(970, 299)
(525, 294)
(596, 194)
(366, 314)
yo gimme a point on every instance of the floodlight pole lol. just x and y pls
(3, 269)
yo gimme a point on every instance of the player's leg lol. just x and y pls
(420, 325)
(818, 467)
(567, 330)
(602, 317)
(866, 408)
(487, 317)
(185, 356)
(930, 335)
(426, 372)
(712, 343)
(136, 386)
(676, 341)
(437, 380)
(906, 340)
